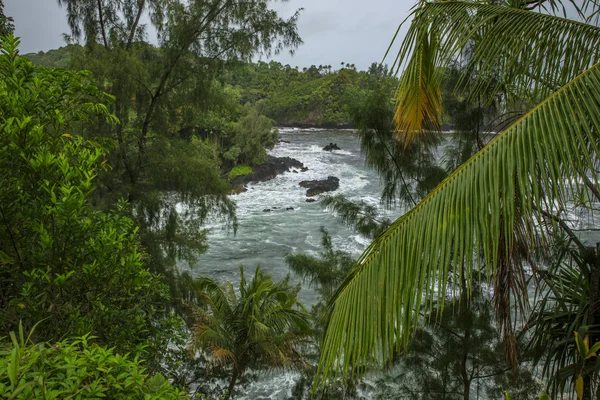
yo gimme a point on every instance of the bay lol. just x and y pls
(265, 238)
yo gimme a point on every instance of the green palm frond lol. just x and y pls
(512, 51)
(259, 328)
(535, 162)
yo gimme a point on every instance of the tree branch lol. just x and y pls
(101, 20)
(141, 5)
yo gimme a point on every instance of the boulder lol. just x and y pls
(331, 147)
(304, 169)
(320, 186)
(267, 210)
(310, 200)
(289, 209)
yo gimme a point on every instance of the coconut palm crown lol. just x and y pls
(259, 328)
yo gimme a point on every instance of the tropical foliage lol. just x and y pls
(262, 328)
(166, 96)
(481, 214)
(75, 369)
(63, 263)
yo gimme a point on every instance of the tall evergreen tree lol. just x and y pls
(153, 167)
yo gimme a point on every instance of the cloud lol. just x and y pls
(352, 31)
(39, 23)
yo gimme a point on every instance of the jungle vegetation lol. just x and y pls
(114, 152)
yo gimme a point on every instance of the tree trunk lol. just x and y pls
(463, 367)
(232, 382)
(594, 315)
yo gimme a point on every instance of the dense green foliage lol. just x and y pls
(315, 96)
(56, 58)
(239, 170)
(63, 263)
(75, 369)
(250, 137)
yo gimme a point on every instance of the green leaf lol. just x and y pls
(593, 350)
(582, 347)
(579, 387)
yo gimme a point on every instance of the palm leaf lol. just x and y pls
(419, 98)
(513, 51)
(535, 162)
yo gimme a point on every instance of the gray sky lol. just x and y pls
(353, 31)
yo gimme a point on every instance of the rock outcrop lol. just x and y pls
(266, 171)
(320, 186)
(331, 147)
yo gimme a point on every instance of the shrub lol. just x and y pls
(75, 369)
(61, 261)
(240, 170)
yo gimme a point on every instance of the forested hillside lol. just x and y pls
(317, 96)
(311, 97)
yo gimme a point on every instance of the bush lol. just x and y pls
(75, 369)
(240, 170)
(61, 261)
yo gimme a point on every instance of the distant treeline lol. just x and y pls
(314, 96)
(320, 96)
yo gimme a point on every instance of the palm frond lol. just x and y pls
(419, 98)
(535, 163)
(221, 356)
(513, 51)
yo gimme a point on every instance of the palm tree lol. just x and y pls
(261, 328)
(470, 219)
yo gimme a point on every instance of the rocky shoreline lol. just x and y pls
(267, 171)
(278, 165)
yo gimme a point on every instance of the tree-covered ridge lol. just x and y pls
(319, 96)
(55, 58)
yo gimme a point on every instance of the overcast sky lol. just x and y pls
(353, 31)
